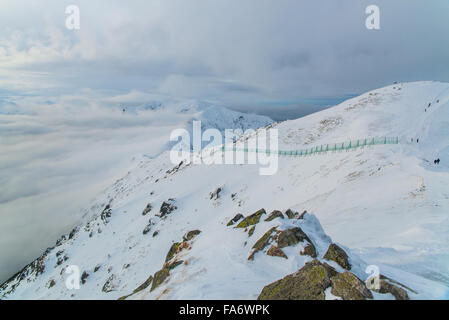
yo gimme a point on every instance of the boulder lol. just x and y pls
(290, 214)
(308, 283)
(273, 215)
(167, 207)
(398, 293)
(309, 250)
(291, 237)
(139, 288)
(84, 277)
(174, 249)
(301, 216)
(106, 214)
(51, 284)
(191, 234)
(252, 219)
(337, 254)
(110, 284)
(215, 194)
(251, 231)
(262, 242)
(174, 264)
(159, 277)
(148, 227)
(276, 252)
(144, 285)
(147, 209)
(235, 219)
(347, 286)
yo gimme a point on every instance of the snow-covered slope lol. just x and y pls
(386, 206)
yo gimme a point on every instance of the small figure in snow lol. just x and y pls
(438, 101)
(417, 140)
(438, 161)
(411, 139)
(429, 105)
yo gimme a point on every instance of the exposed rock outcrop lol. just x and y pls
(396, 291)
(291, 237)
(309, 283)
(337, 254)
(262, 242)
(147, 209)
(309, 250)
(167, 207)
(235, 219)
(276, 252)
(273, 215)
(252, 219)
(347, 286)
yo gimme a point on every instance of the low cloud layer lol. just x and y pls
(227, 51)
(56, 157)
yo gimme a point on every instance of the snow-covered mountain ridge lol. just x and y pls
(385, 206)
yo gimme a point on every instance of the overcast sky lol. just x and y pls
(233, 52)
(257, 55)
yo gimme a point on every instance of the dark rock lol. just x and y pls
(235, 219)
(262, 242)
(398, 293)
(291, 237)
(251, 231)
(73, 233)
(252, 219)
(174, 264)
(84, 277)
(106, 214)
(148, 227)
(159, 277)
(190, 235)
(347, 286)
(143, 286)
(167, 207)
(97, 267)
(273, 215)
(309, 250)
(51, 284)
(308, 283)
(155, 233)
(276, 252)
(60, 241)
(175, 169)
(337, 254)
(216, 194)
(109, 284)
(290, 214)
(301, 216)
(174, 249)
(147, 209)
